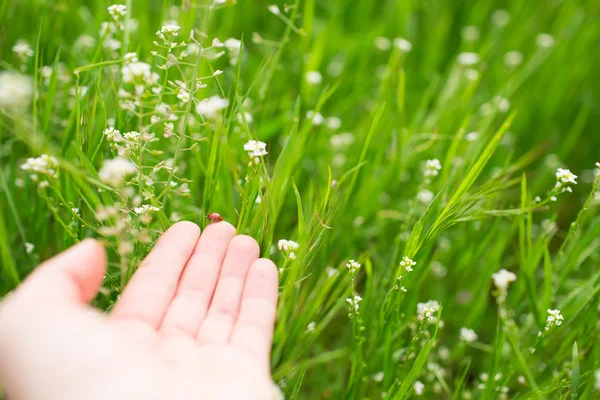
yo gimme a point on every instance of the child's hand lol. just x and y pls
(195, 322)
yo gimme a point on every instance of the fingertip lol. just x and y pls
(94, 248)
(188, 227)
(222, 228)
(245, 244)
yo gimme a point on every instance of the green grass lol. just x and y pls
(341, 197)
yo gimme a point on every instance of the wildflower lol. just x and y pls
(287, 246)
(131, 58)
(316, 118)
(544, 40)
(29, 248)
(472, 74)
(468, 59)
(137, 72)
(168, 33)
(145, 209)
(184, 96)
(354, 303)
(353, 266)
(472, 136)
(274, 9)
(513, 58)
(113, 135)
(428, 311)
(117, 11)
(333, 123)
(331, 272)
(16, 90)
(419, 387)
(407, 264)
(402, 44)
(169, 129)
(554, 318)
(311, 326)
(432, 167)
(313, 77)
(564, 177)
(378, 377)
(44, 164)
(468, 335)
(382, 43)
(425, 196)
(211, 106)
(256, 149)
(470, 33)
(500, 18)
(115, 170)
(503, 278)
(342, 140)
(23, 50)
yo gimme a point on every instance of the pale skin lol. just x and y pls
(195, 322)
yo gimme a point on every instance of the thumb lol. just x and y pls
(73, 275)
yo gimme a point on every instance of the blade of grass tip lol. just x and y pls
(575, 372)
(477, 168)
(9, 267)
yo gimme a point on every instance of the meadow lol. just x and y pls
(425, 174)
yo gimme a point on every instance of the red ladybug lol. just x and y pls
(214, 217)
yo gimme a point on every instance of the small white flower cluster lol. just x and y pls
(545, 40)
(288, 247)
(428, 311)
(168, 33)
(311, 327)
(407, 264)
(354, 302)
(353, 267)
(317, 119)
(42, 165)
(419, 388)
(554, 318)
(23, 51)
(564, 178)
(382, 43)
(502, 280)
(117, 11)
(513, 59)
(470, 33)
(109, 30)
(432, 168)
(127, 143)
(145, 209)
(256, 149)
(16, 90)
(467, 59)
(29, 247)
(211, 107)
(468, 335)
(313, 77)
(114, 171)
(485, 377)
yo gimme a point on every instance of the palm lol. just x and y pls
(195, 322)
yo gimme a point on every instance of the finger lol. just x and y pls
(153, 285)
(73, 275)
(253, 331)
(225, 304)
(198, 281)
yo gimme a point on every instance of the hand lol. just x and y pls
(195, 322)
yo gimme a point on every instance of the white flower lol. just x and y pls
(353, 266)
(554, 318)
(29, 248)
(169, 129)
(544, 40)
(425, 196)
(331, 272)
(43, 164)
(428, 310)
(382, 43)
(131, 57)
(432, 167)
(472, 136)
(407, 264)
(145, 209)
(287, 246)
(378, 377)
(402, 44)
(564, 176)
(211, 106)
(470, 33)
(16, 90)
(503, 278)
(419, 386)
(468, 59)
(500, 17)
(313, 77)
(311, 326)
(23, 50)
(115, 170)
(117, 10)
(471, 74)
(168, 33)
(273, 8)
(256, 149)
(183, 95)
(342, 140)
(333, 123)
(317, 118)
(354, 303)
(513, 58)
(468, 335)
(138, 72)
(113, 135)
